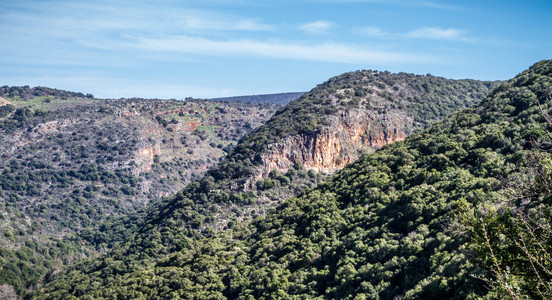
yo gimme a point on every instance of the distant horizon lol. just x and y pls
(253, 95)
(213, 49)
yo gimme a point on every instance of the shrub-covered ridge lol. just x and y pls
(383, 102)
(384, 227)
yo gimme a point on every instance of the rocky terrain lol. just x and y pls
(347, 136)
(372, 109)
(71, 165)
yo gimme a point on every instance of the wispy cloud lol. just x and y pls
(138, 32)
(328, 52)
(372, 31)
(318, 27)
(410, 3)
(430, 33)
(84, 17)
(436, 33)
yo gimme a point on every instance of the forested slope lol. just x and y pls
(311, 137)
(387, 226)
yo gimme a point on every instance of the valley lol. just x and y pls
(344, 149)
(166, 188)
(76, 170)
(395, 223)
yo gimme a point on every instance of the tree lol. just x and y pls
(514, 238)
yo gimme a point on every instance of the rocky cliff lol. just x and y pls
(348, 135)
(353, 114)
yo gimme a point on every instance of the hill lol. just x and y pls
(312, 137)
(280, 98)
(27, 93)
(77, 172)
(384, 227)
(224, 195)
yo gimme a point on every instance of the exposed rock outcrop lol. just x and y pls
(7, 292)
(187, 126)
(144, 158)
(348, 116)
(4, 102)
(54, 125)
(348, 136)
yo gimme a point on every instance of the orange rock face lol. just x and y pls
(192, 125)
(349, 136)
(144, 158)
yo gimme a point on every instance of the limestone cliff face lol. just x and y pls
(144, 158)
(348, 136)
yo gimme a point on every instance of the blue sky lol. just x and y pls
(214, 48)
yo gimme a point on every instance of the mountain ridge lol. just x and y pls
(277, 98)
(383, 227)
(385, 106)
(356, 112)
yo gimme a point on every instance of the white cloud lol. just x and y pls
(431, 33)
(63, 19)
(428, 4)
(372, 31)
(318, 27)
(328, 52)
(436, 33)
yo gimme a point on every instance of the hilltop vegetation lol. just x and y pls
(77, 173)
(280, 98)
(27, 93)
(388, 226)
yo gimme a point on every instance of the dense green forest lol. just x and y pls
(432, 217)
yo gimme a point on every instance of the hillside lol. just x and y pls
(71, 166)
(312, 137)
(384, 227)
(280, 98)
